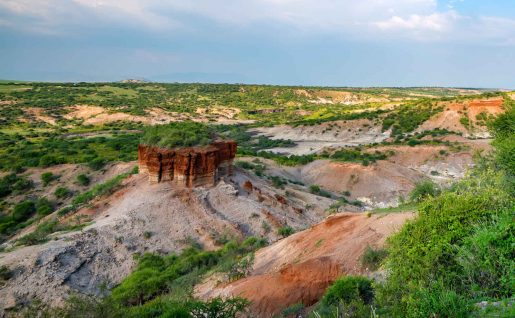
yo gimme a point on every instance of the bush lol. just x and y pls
(315, 189)
(372, 258)
(503, 128)
(23, 211)
(97, 163)
(434, 246)
(47, 177)
(487, 259)
(285, 231)
(62, 192)
(278, 182)
(423, 190)
(348, 289)
(44, 206)
(178, 134)
(100, 189)
(83, 179)
(437, 301)
(5, 273)
(22, 184)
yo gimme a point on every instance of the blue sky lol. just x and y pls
(465, 43)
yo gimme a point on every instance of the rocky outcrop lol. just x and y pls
(190, 166)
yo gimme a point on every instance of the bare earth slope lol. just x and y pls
(299, 268)
(140, 218)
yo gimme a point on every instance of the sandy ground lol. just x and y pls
(96, 115)
(299, 268)
(39, 115)
(312, 139)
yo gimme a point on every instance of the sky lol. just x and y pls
(456, 43)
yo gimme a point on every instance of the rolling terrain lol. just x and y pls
(322, 175)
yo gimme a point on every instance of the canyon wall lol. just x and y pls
(190, 166)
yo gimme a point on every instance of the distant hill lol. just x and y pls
(6, 81)
(135, 80)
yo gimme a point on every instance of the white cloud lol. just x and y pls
(368, 19)
(437, 22)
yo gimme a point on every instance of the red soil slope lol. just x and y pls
(300, 267)
(450, 117)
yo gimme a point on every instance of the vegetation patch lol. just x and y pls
(178, 134)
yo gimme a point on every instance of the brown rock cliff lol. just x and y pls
(190, 166)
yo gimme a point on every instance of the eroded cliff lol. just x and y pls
(189, 166)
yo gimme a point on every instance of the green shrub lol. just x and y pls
(50, 160)
(278, 182)
(487, 258)
(97, 163)
(83, 179)
(100, 189)
(47, 177)
(372, 258)
(62, 192)
(13, 183)
(424, 190)
(315, 189)
(430, 247)
(5, 273)
(23, 211)
(241, 268)
(503, 128)
(436, 301)
(217, 307)
(285, 231)
(44, 206)
(157, 275)
(295, 310)
(348, 289)
(21, 185)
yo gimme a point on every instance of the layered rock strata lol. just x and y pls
(190, 166)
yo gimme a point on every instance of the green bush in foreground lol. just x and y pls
(348, 296)
(437, 301)
(439, 246)
(349, 288)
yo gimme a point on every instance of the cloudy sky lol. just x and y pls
(466, 43)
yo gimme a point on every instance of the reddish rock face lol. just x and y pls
(191, 166)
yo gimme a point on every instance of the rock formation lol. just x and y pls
(190, 166)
